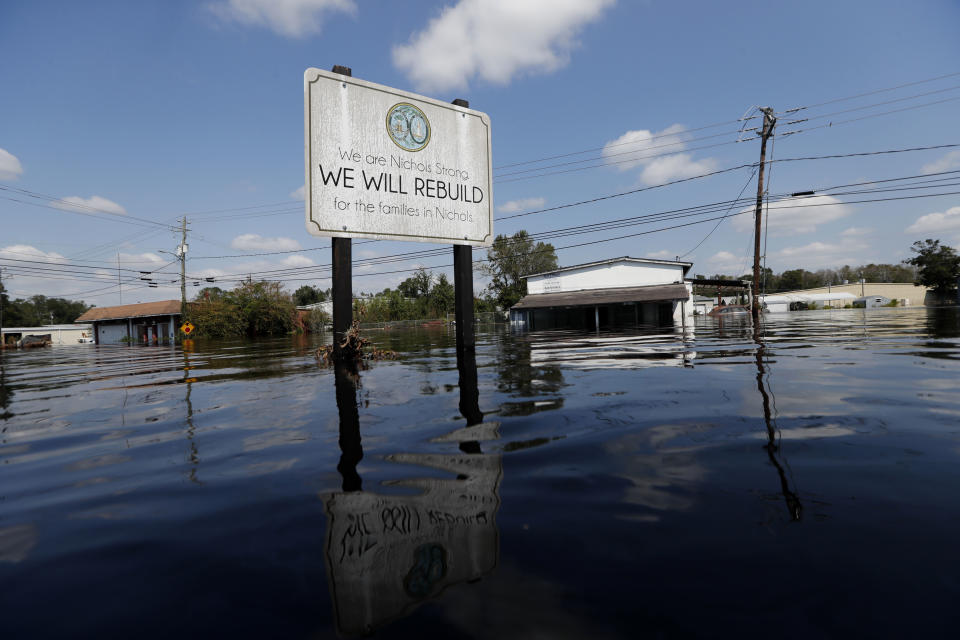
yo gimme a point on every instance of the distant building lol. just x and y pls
(781, 302)
(620, 292)
(326, 306)
(905, 293)
(869, 302)
(702, 305)
(144, 323)
(59, 333)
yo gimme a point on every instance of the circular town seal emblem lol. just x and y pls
(408, 127)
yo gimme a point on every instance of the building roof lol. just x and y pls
(47, 327)
(143, 309)
(590, 297)
(673, 263)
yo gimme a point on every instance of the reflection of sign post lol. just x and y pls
(384, 163)
(187, 328)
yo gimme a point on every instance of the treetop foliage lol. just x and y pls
(512, 257)
(938, 266)
(40, 310)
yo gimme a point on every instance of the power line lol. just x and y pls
(720, 221)
(867, 117)
(870, 93)
(568, 231)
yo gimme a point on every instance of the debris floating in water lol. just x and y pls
(354, 347)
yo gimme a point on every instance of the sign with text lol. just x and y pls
(388, 164)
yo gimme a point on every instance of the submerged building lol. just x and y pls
(55, 333)
(620, 292)
(143, 323)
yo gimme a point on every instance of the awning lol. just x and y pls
(590, 297)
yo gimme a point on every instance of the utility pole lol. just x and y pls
(182, 253)
(766, 131)
(2, 290)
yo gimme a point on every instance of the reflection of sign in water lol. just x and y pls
(387, 554)
(408, 127)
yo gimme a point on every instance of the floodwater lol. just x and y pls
(799, 481)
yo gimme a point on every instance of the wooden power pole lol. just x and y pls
(765, 132)
(183, 270)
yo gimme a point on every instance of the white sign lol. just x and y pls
(388, 164)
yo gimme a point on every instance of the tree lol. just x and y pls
(308, 295)
(209, 294)
(442, 295)
(264, 307)
(512, 257)
(939, 265)
(417, 285)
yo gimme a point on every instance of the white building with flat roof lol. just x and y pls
(59, 333)
(619, 292)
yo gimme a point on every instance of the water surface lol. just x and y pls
(798, 481)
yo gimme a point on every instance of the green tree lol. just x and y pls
(217, 319)
(442, 296)
(792, 280)
(512, 257)
(308, 295)
(209, 294)
(939, 265)
(265, 307)
(417, 285)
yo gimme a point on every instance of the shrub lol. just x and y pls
(317, 320)
(216, 319)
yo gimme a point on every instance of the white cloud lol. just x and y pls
(725, 262)
(854, 232)
(297, 261)
(820, 254)
(142, 259)
(637, 148)
(10, 167)
(27, 278)
(292, 18)
(299, 193)
(675, 167)
(946, 163)
(661, 255)
(949, 220)
(256, 242)
(494, 40)
(27, 252)
(93, 204)
(521, 204)
(795, 216)
(639, 142)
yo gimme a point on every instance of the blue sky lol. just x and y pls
(140, 112)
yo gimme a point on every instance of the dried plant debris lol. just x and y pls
(355, 348)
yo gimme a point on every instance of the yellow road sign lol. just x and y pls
(187, 328)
